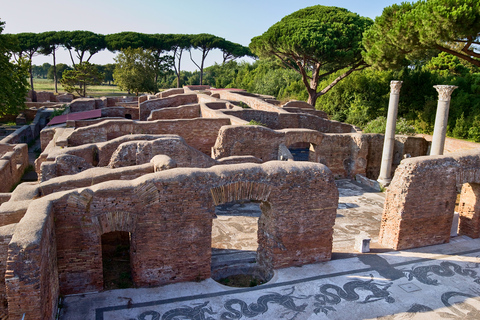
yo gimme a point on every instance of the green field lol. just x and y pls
(96, 91)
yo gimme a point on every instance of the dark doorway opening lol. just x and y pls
(117, 272)
(300, 151)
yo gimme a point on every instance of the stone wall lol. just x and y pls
(6, 233)
(469, 210)
(13, 162)
(345, 154)
(252, 100)
(140, 152)
(181, 112)
(172, 101)
(123, 151)
(421, 198)
(65, 257)
(198, 133)
(169, 92)
(31, 275)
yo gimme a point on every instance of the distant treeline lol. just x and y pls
(362, 98)
(84, 44)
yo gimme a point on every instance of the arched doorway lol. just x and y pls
(235, 234)
(302, 151)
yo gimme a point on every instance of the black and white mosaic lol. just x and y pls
(384, 291)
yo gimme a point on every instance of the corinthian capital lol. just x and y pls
(445, 92)
(395, 86)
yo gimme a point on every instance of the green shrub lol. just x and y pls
(256, 123)
(379, 124)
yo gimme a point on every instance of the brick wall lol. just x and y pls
(13, 162)
(198, 133)
(6, 233)
(65, 257)
(469, 210)
(32, 288)
(410, 218)
(182, 112)
(172, 101)
(253, 101)
(345, 154)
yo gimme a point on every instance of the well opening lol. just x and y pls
(117, 271)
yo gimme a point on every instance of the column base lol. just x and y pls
(384, 182)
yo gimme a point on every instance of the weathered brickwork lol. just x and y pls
(469, 210)
(198, 133)
(123, 151)
(156, 181)
(13, 162)
(6, 234)
(65, 256)
(32, 288)
(181, 112)
(345, 154)
(145, 108)
(410, 218)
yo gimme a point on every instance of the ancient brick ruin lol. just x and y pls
(156, 168)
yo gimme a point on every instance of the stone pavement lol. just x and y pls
(440, 281)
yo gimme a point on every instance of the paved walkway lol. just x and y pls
(426, 283)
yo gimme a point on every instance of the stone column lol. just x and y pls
(386, 167)
(441, 119)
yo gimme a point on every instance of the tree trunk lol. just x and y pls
(30, 70)
(177, 70)
(55, 80)
(312, 97)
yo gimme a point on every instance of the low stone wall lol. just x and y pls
(169, 92)
(181, 112)
(29, 133)
(421, 198)
(140, 152)
(276, 121)
(252, 100)
(13, 162)
(120, 152)
(199, 133)
(145, 108)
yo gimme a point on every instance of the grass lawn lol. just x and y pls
(95, 91)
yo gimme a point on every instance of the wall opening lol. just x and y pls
(128, 116)
(467, 210)
(302, 151)
(117, 272)
(235, 244)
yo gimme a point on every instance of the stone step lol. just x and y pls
(232, 257)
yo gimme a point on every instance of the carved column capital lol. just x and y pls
(395, 86)
(445, 92)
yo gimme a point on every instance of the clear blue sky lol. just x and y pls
(237, 21)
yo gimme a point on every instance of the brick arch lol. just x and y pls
(309, 136)
(115, 221)
(467, 175)
(240, 190)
